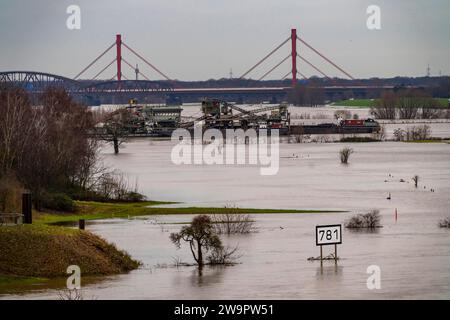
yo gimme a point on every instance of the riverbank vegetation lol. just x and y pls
(408, 103)
(45, 148)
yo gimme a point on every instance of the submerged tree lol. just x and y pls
(416, 180)
(200, 235)
(345, 154)
(116, 125)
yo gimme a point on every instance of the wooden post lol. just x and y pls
(335, 254)
(81, 224)
(26, 208)
(321, 257)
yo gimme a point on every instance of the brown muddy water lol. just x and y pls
(413, 253)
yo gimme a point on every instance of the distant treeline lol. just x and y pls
(440, 85)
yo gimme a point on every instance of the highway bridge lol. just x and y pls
(120, 89)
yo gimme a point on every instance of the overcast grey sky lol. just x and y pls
(202, 39)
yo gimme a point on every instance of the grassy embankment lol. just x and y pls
(33, 253)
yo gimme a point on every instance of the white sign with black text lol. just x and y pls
(327, 235)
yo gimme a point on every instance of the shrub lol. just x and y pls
(416, 180)
(232, 223)
(342, 114)
(132, 196)
(10, 194)
(445, 223)
(345, 154)
(223, 255)
(57, 201)
(369, 220)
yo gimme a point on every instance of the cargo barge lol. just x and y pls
(343, 127)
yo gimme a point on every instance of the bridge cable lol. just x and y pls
(104, 69)
(304, 77)
(313, 66)
(267, 56)
(298, 72)
(95, 60)
(325, 58)
(148, 63)
(129, 64)
(276, 66)
(290, 72)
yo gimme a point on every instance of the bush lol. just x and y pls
(223, 256)
(342, 114)
(232, 223)
(445, 223)
(10, 194)
(369, 220)
(132, 196)
(57, 201)
(345, 154)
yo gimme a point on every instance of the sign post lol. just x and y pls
(328, 235)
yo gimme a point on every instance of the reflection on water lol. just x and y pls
(335, 271)
(412, 252)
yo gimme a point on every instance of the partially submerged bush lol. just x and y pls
(345, 154)
(223, 255)
(445, 223)
(368, 220)
(232, 223)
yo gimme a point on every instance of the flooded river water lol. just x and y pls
(413, 253)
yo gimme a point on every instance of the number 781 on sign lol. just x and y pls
(330, 234)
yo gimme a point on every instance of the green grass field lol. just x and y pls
(355, 103)
(90, 210)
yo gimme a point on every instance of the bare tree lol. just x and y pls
(416, 180)
(115, 128)
(406, 104)
(47, 146)
(380, 134)
(345, 154)
(232, 223)
(385, 108)
(342, 114)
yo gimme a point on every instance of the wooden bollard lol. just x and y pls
(26, 208)
(81, 224)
